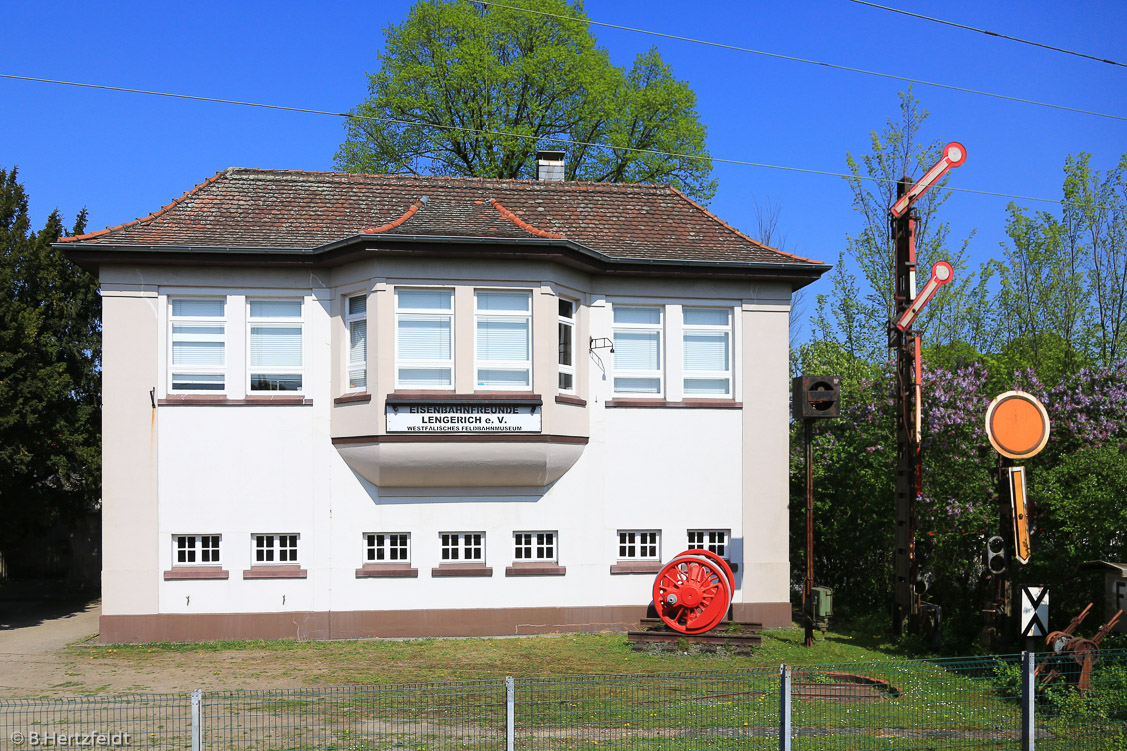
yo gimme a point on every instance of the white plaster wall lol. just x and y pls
(241, 470)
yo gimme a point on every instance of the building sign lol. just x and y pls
(463, 417)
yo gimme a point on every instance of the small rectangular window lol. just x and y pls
(567, 346)
(188, 550)
(356, 318)
(503, 340)
(424, 338)
(387, 547)
(275, 549)
(638, 350)
(534, 546)
(198, 344)
(275, 344)
(712, 540)
(462, 547)
(707, 351)
(638, 545)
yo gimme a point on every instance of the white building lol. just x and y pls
(344, 405)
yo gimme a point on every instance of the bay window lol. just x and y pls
(356, 319)
(566, 341)
(503, 340)
(424, 338)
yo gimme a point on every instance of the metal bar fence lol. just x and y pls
(949, 704)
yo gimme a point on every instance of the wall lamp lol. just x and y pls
(601, 343)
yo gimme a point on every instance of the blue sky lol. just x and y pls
(124, 155)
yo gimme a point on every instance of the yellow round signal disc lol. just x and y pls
(1017, 425)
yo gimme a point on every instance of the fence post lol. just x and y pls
(197, 720)
(784, 708)
(1028, 697)
(510, 712)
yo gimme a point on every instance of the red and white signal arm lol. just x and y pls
(954, 154)
(941, 273)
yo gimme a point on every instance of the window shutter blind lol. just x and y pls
(706, 351)
(275, 309)
(197, 345)
(502, 339)
(423, 337)
(275, 346)
(637, 350)
(198, 308)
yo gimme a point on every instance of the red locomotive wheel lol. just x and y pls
(693, 591)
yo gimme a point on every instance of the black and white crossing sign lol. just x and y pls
(1034, 611)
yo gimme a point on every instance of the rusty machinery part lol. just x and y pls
(693, 591)
(1084, 652)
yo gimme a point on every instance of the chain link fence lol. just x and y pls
(995, 702)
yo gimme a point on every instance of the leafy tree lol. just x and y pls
(858, 312)
(50, 345)
(473, 89)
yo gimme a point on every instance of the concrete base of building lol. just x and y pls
(367, 624)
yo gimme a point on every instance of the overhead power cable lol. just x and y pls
(989, 33)
(824, 64)
(479, 131)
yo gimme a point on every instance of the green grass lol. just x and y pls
(422, 660)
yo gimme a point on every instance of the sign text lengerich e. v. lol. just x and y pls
(432, 417)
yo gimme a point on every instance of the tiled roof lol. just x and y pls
(279, 209)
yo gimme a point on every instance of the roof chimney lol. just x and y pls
(550, 166)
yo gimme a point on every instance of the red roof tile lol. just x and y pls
(253, 208)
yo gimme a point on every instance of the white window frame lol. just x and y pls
(718, 541)
(712, 330)
(387, 547)
(409, 313)
(353, 367)
(208, 321)
(285, 545)
(483, 316)
(275, 322)
(659, 328)
(639, 544)
(455, 546)
(566, 328)
(204, 550)
(536, 546)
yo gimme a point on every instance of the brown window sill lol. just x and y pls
(199, 400)
(386, 570)
(565, 399)
(275, 572)
(353, 399)
(535, 568)
(520, 397)
(685, 404)
(636, 567)
(461, 569)
(196, 572)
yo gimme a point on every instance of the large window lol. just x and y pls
(275, 328)
(356, 318)
(567, 346)
(503, 341)
(424, 338)
(707, 352)
(637, 349)
(198, 353)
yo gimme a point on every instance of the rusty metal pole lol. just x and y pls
(808, 585)
(905, 602)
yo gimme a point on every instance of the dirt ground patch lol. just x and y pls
(50, 649)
